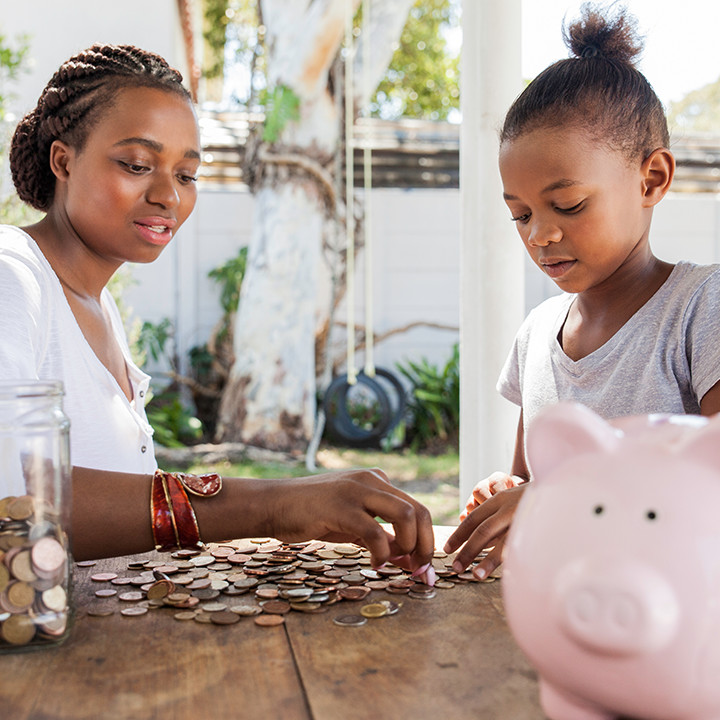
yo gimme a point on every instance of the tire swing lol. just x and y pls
(361, 408)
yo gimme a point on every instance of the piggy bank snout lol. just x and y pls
(613, 610)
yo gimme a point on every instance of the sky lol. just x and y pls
(682, 40)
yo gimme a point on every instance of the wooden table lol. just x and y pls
(450, 657)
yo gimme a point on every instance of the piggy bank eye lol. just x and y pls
(599, 510)
(651, 515)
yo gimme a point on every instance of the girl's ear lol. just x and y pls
(658, 170)
(60, 154)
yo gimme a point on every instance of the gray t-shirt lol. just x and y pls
(663, 360)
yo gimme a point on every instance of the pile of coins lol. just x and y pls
(264, 579)
(34, 579)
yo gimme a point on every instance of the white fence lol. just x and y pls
(416, 265)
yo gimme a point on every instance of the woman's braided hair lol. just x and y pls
(599, 88)
(72, 101)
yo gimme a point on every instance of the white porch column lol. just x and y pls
(492, 304)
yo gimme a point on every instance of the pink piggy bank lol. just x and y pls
(611, 577)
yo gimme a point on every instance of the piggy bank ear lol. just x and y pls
(565, 430)
(703, 444)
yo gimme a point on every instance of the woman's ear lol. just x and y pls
(60, 155)
(658, 170)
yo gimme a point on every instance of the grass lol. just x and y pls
(430, 479)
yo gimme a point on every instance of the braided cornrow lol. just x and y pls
(69, 105)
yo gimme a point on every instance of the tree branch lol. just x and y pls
(387, 20)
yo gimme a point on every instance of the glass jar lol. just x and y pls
(35, 496)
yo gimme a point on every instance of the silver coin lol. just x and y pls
(350, 620)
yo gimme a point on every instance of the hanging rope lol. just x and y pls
(367, 186)
(349, 189)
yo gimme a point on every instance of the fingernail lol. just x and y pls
(420, 570)
(457, 567)
(430, 576)
(446, 548)
(479, 573)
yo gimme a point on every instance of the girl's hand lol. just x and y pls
(344, 507)
(488, 487)
(485, 527)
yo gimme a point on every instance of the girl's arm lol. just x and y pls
(111, 513)
(487, 525)
(710, 403)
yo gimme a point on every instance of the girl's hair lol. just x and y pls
(77, 94)
(598, 89)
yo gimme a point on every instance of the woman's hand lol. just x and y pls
(488, 487)
(486, 526)
(344, 507)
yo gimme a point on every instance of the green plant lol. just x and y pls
(229, 276)
(173, 423)
(434, 403)
(12, 62)
(281, 106)
(152, 338)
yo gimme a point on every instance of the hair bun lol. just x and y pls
(603, 33)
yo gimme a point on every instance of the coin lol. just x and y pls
(421, 595)
(105, 592)
(133, 611)
(391, 606)
(131, 596)
(214, 607)
(18, 630)
(275, 607)
(225, 617)
(245, 610)
(269, 620)
(21, 508)
(373, 610)
(103, 577)
(185, 615)
(350, 620)
(444, 584)
(354, 593)
(55, 598)
(100, 610)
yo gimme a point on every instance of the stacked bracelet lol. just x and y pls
(174, 524)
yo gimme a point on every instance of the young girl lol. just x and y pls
(584, 159)
(111, 155)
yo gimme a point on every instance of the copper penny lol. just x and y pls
(225, 617)
(103, 577)
(269, 620)
(105, 592)
(354, 593)
(276, 607)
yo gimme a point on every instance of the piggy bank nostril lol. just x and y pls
(584, 607)
(625, 614)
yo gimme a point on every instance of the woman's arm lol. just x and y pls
(111, 513)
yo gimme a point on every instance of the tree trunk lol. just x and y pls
(269, 399)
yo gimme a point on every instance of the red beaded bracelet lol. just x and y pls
(174, 523)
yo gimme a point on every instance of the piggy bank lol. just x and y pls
(611, 579)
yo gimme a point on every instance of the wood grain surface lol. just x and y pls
(451, 656)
